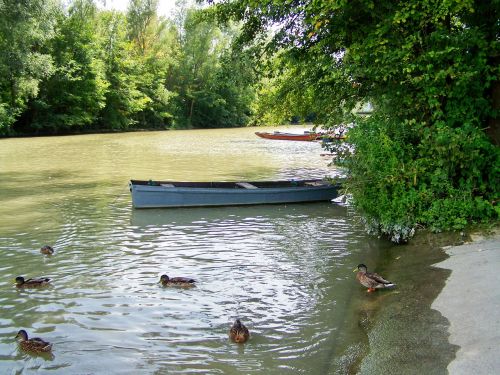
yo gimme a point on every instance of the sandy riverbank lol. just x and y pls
(470, 300)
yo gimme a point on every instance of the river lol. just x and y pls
(284, 270)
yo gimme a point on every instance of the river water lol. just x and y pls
(284, 270)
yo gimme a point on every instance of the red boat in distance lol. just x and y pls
(306, 136)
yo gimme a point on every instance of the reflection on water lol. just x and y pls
(284, 270)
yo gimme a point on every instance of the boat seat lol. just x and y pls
(167, 185)
(246, 185)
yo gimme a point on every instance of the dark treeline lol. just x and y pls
(71, 68)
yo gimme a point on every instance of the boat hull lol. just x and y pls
(288, 136)
(162, 195)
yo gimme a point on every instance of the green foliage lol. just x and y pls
(155, 48)
(234, 86)
(68, 67)
(74, 95)
(123, 98)
(398, 183)
(141, 17)
(214, 85)
(286, 95)
(429, 68)
(24, 27)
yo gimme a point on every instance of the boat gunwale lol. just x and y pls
(260, 186)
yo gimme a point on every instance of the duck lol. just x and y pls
(238, 332)
(371, 280)
(35, 344)
(176, 281)
(47, 250)
(32, 283)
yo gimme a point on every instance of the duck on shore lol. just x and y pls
(176, 281)
(371, 280)
(238, 332)
(35, 344)
(32, 283)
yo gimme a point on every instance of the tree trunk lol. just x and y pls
(191, 109)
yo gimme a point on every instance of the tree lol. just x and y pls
(233, 86)
(214, 84)
(141, 17)
(201, 46)
(430, 70)
(24, 28)
(123, 97)
(75, 94)
(286, 91)
(155, 49)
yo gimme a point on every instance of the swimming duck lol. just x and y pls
(371, 280)
(35, 344)
(238, 332)
(47, 250)
(31, 283)
(176, 281)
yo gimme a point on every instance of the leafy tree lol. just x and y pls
(286, 92)
(200, 46)
(74, 95)
(24, 28)
(141, 17)
(234, 87)
(155, 50)
(428, 155)
(214, 85)
(123, 97)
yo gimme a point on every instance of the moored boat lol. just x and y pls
(158, 194)
(306, 136)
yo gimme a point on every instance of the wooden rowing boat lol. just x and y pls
(156, 194)
(306, 136)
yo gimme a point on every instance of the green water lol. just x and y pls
(284, 270)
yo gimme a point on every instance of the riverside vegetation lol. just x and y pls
(428, 153)
(426, 156)
(70, 67)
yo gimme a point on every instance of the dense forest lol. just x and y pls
(70, 67)
(426, 156)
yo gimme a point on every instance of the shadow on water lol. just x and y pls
(403, 335)
(190, 215)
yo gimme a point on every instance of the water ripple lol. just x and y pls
(285, 270)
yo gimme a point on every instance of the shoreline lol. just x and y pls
(470, 300)
(405, 335)
(84, 132)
